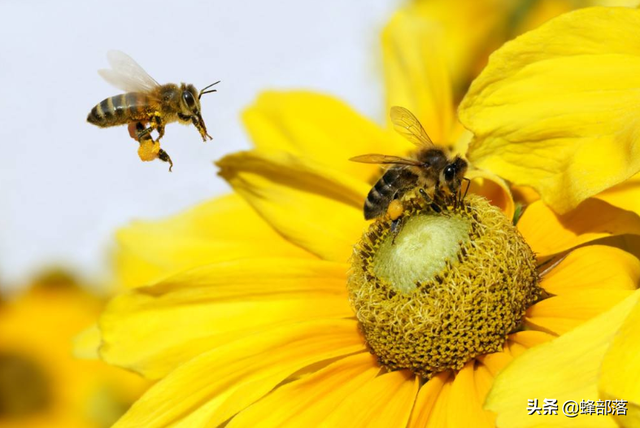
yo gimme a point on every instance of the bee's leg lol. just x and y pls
(142, 133)
(437, 200)
(158, 124)
(459, 195)
(163, 156)
(438, 194)
(197, 122)
(431, 201)
(149, 149)
(466, 188)
(425, 195)
(160, 132)
(396, 227)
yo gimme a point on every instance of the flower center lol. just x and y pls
(451, 285)
(422, 249)
(24, 388)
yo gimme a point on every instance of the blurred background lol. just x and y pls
(66, 185)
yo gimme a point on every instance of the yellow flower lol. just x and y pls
(590, 119)
(246, 316)
(560, 117)
(41, 384)
(603, 356)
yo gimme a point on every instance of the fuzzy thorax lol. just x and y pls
(456, 281)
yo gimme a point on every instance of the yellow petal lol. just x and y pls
(515, 349)
(315, 207)
(562, 313)
(529, 339)
(469, 31)
(318, 128)
(496, 361)
(214, 231)
(484, 381)
(571, 367)
(488, 366)
(460, 139)
(552, 325)
(42, 384)
(548, 113)
(308, 401)
(416, 74)
(426, 399)
(217, 384)
(87, 343)
(593, 267)
(611, 3)
(382, 402)
(153, 329)
(493, 188)
(438, 415)
(620, 378)
(524, 195)
(538, 12)
(625, 195)
(463, 390)
(548, 233)
(541, 11)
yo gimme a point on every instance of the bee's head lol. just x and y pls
(190, 108)
(453, 173)
(189, 101)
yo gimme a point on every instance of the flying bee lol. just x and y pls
(430, 169)
(146, 102)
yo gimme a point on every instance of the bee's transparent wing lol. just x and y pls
(126, 74)
(385, 160)
(409, 127)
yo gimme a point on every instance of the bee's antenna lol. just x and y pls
(204, 90)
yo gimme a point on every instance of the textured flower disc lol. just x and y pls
(453, 284)
(24, 387)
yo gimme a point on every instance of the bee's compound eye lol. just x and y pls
(449, 172)
(188, 99)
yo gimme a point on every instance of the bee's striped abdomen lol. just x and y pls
(119, 110)
(381, 194)
(393, 184)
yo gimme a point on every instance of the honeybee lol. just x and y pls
(430, 169)
(146, 102)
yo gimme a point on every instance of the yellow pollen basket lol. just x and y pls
(148, 150)
(454, 283)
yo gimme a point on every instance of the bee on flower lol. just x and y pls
(303, 314)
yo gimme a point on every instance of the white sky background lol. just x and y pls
(66, 186)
